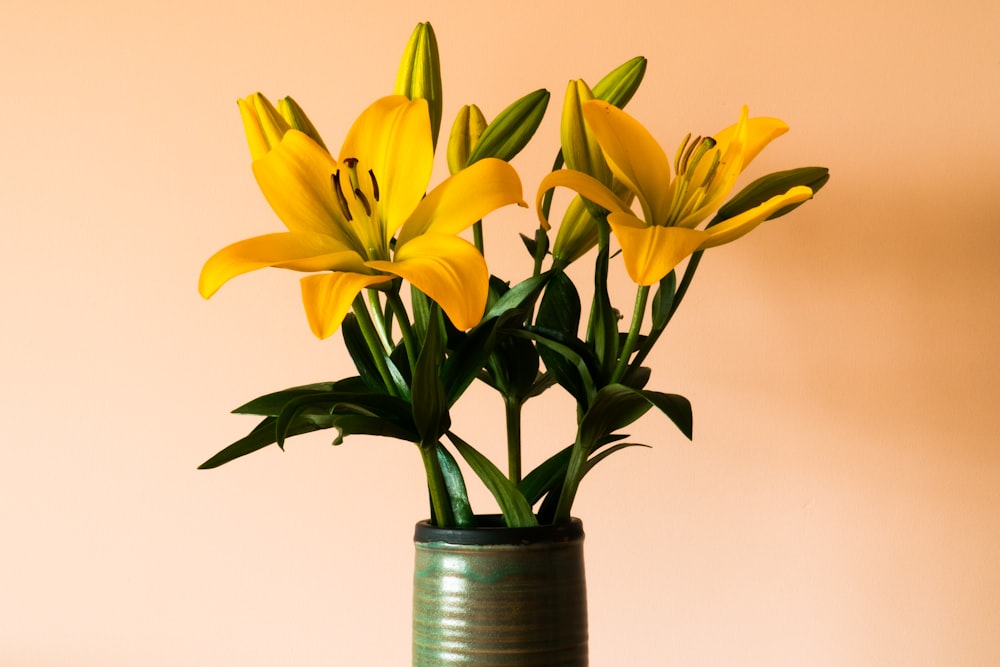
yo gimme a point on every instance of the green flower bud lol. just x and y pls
(297, 119)
(772, 185)
(512, 129)
(577, 232)
(465, 133)
(620, 84)
(579, 146)
(419, 76)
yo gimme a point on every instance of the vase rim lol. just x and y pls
(491, 530)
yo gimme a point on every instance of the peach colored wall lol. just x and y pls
(840, 504)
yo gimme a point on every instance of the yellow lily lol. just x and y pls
(673, 202)
(363, 220)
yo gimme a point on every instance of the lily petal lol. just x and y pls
(393, 137)
(287, 250)
(462, 199)
(328, 296)
(739, 225)
(295, 180)
(633, 154)
(449, 270)
(584, 185)
(760, 131)
(651, 252)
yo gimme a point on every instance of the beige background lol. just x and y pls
(840, 504)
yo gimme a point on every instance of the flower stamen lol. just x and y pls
(341, 199)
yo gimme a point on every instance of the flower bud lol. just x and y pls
(419, 75)
(511, 130)
(263, 125)
(297, 119)
(619, 85)
(465, 133)
(579, 146)
(577, 232)
(766, 187)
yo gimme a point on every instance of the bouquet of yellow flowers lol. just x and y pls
(362, 223)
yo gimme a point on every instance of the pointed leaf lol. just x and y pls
(458, 494)
(430, 404)
(262, 436)
(516, 510)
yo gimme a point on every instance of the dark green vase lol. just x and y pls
(492, 595)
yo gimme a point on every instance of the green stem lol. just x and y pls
(638, 313)
(513, 414)
(682, 289)
(477, 236)
(373, 339)
(378, 320)
(440, 501)
(405, 328)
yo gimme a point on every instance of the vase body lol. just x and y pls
(492, 596)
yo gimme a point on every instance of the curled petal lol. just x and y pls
(462, 199)
(447, 269)
(650, 253)
(328, 296)
(287, 250)
(586, 186)
(735, 227)
(634, 156)
(760, 131)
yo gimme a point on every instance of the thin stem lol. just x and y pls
(682, 289)
(638, 313)
(440, 501)
(513, 414)
(378, 319)
(374, 343)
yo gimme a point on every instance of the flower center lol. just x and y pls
(358, 198)
(694, 174)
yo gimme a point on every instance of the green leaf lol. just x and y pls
(512, 129)
(513, 366)
(263, 435)
(663, 300)
(576, 354)
(772, 185)
(457, 492)
(518, 296)
(269, 405)
(357, 347)
(674, 406)
(547, 476)
(430, 404)
(420, 303)
(602, 330)
(605, 453)
(614, 407)
(516, 510)
(560, 310)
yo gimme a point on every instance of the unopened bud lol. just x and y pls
(465, 133)
(419, 76)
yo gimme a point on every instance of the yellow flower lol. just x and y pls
(673, 202)
(363, 220)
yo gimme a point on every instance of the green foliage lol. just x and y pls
(413, 366)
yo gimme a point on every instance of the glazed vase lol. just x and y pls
(491, 596)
